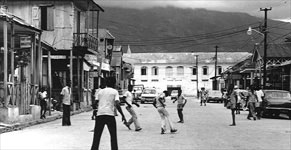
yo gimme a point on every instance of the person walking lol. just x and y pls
(43, 102)
(232, 96)
(181, 102)
(165, 117)
(239, 99)
(252, 99)
(108, 100)
(128, 96)
(66, 100)
(203, 96)
(260, 97)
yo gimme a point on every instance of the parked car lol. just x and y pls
(137, 90)
(148, 95)
(215, 96)
(174, 94)
(277, 102)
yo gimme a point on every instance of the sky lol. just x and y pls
(281, 9)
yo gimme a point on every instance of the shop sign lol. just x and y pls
(93, 74)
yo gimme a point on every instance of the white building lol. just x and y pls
(167, 71)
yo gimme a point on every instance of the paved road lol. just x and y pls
(204, 128)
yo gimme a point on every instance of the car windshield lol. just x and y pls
(277, 94)
(149, 91)
(175, 92)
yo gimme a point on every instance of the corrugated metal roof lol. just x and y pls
(18, 21)
(282, 50)
(186, 58)
(104, 33)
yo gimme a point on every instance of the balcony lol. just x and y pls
(86, 40)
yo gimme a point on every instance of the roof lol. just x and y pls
(22, 26)
(185, 58)
(282, 50)
(104, 33)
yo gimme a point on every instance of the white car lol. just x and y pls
(148, 95)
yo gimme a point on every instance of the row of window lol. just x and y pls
(180, 70)
(156, 80)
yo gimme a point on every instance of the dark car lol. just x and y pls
(277, 102)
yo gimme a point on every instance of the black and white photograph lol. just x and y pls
(145, 74)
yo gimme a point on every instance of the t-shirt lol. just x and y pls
(129, 97)
(107, 98)
(260, 94)
(204, 94)
(160, 100)
(252, 97)
(66, 92)
(180, 101)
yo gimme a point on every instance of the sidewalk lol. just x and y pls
(54, 115)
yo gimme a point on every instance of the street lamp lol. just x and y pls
(250, 31)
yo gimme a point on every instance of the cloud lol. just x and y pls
(281, 9)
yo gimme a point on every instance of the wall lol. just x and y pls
(62, 35)
(187, 81)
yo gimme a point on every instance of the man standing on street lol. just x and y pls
(108, 98)
(203, 96)
(260, 97)
(128, 96)
(181, 103)
(66, 97)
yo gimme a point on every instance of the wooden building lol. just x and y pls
(20, 68)
(65, 26)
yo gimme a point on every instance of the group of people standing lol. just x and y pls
(108, 102)
(253, 101)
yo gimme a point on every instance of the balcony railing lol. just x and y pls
(86, 40)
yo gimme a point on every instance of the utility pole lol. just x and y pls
(265, 45)
(196, 57)
(215, 69)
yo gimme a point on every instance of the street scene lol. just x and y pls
(145, 74)
(205, 127)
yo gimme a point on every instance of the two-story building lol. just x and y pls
(63, 25)
(168, 71)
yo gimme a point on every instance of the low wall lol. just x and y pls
(11, 114)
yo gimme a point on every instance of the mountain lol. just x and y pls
(173, 29)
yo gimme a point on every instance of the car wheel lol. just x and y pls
(142, 102)
(289, 115)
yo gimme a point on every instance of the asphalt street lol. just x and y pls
(205, 127)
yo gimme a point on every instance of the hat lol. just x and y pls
(236, 87)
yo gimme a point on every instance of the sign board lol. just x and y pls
(25, 42)
(105, 66)
(93, 74)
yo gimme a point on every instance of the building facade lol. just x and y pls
(169, 71)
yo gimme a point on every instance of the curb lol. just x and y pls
(20, 126)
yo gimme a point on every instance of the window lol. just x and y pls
(155, 80)
(194, 71)
(143, 71)
(205, 70)
(169, 71)
(180, 70)
(47, 18)
(155, 71)
(219, 70)
(144, 80)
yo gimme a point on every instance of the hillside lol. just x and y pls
(173, 29)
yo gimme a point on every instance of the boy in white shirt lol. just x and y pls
(128, 96)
